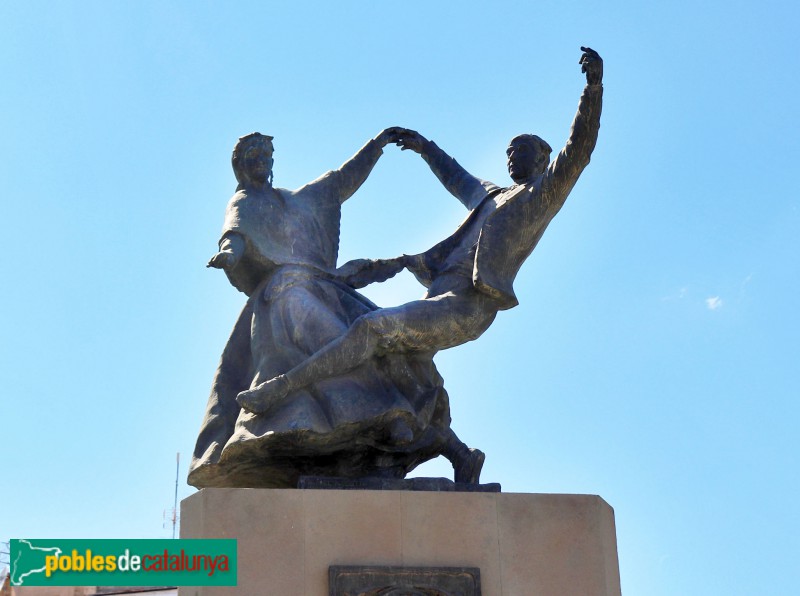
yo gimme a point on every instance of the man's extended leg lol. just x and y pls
(357, 345)
(429, 325)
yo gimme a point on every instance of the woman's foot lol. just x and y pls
(262, 398)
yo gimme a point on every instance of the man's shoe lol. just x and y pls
(468, 470)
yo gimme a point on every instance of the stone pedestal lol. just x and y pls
(523, 544)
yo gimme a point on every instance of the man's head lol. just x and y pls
(252, 159)
(528, 156)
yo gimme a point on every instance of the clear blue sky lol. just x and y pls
(653, 359)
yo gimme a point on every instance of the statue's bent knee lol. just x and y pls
(379, 332)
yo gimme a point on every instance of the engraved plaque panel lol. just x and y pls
(362, 580)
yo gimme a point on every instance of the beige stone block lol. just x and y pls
(345, 527)
(453, 530)
(557, 545)
(268, 526)
(524, 545)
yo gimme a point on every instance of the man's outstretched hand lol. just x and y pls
(411, 139)
(405, 138)
(591, 64)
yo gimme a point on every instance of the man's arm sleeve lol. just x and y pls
(564, 170)
(461, 184)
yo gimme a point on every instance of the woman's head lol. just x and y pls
(252, 159)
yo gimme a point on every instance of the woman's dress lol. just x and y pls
(343, 426)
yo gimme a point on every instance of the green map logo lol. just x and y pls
(120, 562)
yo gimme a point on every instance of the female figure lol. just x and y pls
(280, 247)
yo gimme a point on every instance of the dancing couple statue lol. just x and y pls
(316, 380)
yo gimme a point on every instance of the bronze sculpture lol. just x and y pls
(355, 393)
(280, 247)
(469, 275)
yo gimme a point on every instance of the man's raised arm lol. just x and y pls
(564, 170)
(461, 184)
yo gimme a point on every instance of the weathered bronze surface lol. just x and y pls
(318, 381)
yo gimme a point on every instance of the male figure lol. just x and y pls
(469, 275)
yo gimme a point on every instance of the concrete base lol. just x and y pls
(523, 544)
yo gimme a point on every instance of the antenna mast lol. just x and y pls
(175, 504)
